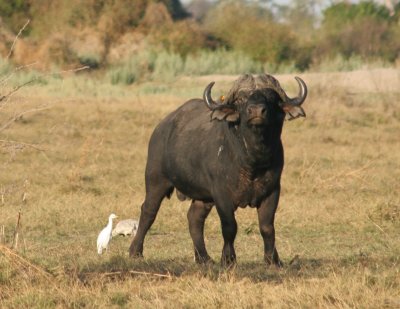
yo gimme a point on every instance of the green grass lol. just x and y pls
(167, 67)
(336, 227)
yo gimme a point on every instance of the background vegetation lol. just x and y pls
(135, 40)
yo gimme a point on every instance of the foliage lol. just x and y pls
(114, 17)
(245, 28)
(257, 34)
(134, 69)
(365, 29)
(181, 37)
(175, 8)
(5, 67)
(221, 62)
(165, 66)
(301, 17)
(14, 12)
(342, 13)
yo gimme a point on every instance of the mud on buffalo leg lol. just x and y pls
(197, 216)
(150, 207)
(266, 215)
(229, 229)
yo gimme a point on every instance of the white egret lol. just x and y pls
(105, 235)
(126, 227)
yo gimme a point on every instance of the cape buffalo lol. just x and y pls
(226, 153)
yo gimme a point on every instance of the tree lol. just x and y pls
(301, 16)
(199, 8)
(251, 29)
(365, 29)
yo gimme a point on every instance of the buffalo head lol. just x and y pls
(257, 101)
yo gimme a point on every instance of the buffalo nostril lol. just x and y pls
(263, 111)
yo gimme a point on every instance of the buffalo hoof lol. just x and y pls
(228, 262)
(135, 254)
(273, 259)
(203, 260)
(277, 264)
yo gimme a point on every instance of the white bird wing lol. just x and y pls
(103, 240)
(125, 227)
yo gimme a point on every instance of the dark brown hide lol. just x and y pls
(225, 154)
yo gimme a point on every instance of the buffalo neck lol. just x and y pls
(260, 148)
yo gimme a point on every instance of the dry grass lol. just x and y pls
(337, 225)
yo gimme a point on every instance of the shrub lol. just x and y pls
(251, 30)
(136, 68)
(364, 29)
(181, 37)
(15, 13)
(92, 61)
(167, 66)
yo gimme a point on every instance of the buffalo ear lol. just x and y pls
(228, 113)
(293, 112)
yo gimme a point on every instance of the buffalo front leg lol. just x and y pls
(229, 230)
(197, 216)
(149, 210)
(266, 216)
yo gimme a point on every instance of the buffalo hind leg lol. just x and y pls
(266, 216)
(197, 216)
(149, 210)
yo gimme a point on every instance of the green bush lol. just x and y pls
(136, 68)
(15, 13)
(167, 66)
(252, 30)
(365, 29)
(338, 15)
(92, 61)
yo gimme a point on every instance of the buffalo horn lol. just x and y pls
(297, 101)
(211, 104)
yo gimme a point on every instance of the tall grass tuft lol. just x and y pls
(221, 62)
(165, 66)
(11, 76)
(5, 67)
(341, 64)
(134, 69)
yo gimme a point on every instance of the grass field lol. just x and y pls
(81, 155)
